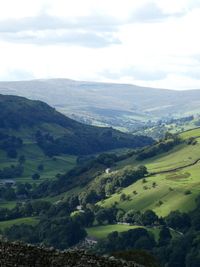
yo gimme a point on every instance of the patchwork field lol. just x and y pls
(34, 157)
(164, 192)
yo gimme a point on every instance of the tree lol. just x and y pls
(10, 194)
(101, 216)
(35, 176)
(149, 217)
(123, 197)
(178, 220)
(164, 236)
(40, 167)
(22, 159)
(21, 189)
(132, 216)
(12, 153)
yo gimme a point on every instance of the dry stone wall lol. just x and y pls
(17, 254)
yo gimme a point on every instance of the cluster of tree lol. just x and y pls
(11, 172)
(146, 218)
(162, 146)
(105, 185)
(116, 215)
(180, 120)
(132, 239)
(34, 208)
(60, 232)
(91, 141)
(191, 141)
(180, 251)
(10, 144)
(184, 250)
(68, 228)
(78, 176)
(86, 173)
(20, 191)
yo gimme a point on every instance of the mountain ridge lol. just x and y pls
(107, 104)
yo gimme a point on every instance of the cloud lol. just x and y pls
(46, 22)
(136, 73)
(151, 12)
(93, 31)
(87, 39)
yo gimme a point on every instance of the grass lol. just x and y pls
(7, 204)
(101, 232)
(191, 133)
(180, 155)
(169, 189)
(169, 192)
(34, 157)
(9, 223)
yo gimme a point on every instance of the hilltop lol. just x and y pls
(123, 106)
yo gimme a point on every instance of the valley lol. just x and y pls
(123, 106)
(62, 178)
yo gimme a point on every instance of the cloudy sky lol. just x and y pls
(152, 43)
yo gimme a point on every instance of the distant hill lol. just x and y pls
(55, 133)
(106, 103)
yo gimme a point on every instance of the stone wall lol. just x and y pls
(21, 255)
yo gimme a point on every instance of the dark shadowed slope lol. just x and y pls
(19, 113)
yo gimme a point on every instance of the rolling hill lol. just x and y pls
(36, 131)
(173, 180)
(107, 104)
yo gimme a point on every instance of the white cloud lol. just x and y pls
(147, 42)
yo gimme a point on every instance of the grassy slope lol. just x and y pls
(28, 220)
(101, 232)
(178, 181)
(35, 156)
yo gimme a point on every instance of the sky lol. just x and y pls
(149, 43)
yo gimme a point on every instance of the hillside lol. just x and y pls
(173, 180)
(119, 105)
(38, 143)
(59, 134)
(148, 199)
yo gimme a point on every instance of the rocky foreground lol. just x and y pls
(22, 255)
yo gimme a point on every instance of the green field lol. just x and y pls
(34, 157)
(191, 133)
(170, 192)
(101, 232)
(9, 223)
(181, 155)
